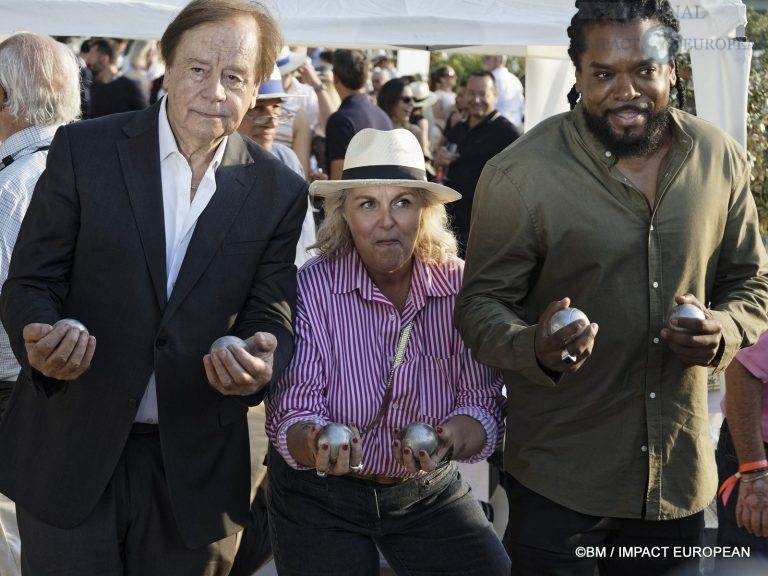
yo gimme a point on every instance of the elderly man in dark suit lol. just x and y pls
(125, 443)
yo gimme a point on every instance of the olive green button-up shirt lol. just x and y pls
(627, 435)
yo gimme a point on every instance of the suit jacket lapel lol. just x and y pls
(232, 189)
(140, 159)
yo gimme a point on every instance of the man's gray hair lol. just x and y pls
(40, 78)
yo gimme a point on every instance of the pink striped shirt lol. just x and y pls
(346, 337)
(755, 359)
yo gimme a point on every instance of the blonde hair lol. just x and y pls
(435, 244)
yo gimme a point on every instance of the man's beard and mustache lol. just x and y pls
(648, 141)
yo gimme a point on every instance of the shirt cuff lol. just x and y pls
(492, 431)
(281, 441)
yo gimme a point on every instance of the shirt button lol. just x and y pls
(652, 394)
(150, 420)
(160, 342)
(655, 340)
(655, 284)
(132, 402)
(608, 154)
(651, 227)
(644, 448)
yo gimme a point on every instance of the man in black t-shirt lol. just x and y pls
(110, 92)
(478, 138)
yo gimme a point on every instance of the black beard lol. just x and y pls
(644, 144)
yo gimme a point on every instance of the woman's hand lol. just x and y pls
(349, 459)
(458, 437)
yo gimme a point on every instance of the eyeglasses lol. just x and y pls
(406, 99)
(284, 117)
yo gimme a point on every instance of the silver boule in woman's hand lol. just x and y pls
(420, 436)
(72, 323)
(225, 341)
(334, 435)
(566, 316)
(684, 311)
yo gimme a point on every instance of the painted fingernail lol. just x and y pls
(439, 429)
(355, 440)
(324, 446)
(345, 447)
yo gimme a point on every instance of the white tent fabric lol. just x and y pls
(531, 28)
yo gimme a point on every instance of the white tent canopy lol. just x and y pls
(531, 28)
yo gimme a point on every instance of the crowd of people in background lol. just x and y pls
(316, 206)
(121, 75)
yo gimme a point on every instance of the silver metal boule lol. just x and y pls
(684, 311)
(420, 436)
(566, 316)
(72, 323)
(334, 435)
(226, 341)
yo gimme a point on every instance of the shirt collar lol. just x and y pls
(27, 138)
(428, 280)
(492, 117)
(168, 144)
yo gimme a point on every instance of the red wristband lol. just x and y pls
(752, 466)
(730, 483)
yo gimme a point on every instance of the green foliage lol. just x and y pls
(757, 109)
(757, 114)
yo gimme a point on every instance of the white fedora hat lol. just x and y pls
(384, 158)
(422, 96)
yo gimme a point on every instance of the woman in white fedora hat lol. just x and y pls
(376, 350)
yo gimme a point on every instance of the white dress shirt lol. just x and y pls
(181, 216)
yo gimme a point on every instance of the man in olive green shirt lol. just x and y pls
(622, 208)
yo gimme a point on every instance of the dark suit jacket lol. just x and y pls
(91, 247)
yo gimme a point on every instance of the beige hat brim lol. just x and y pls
(325, 188)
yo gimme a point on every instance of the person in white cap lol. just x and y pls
(376, 350)
(307, 115)
(260, 124)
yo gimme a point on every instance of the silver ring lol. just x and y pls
(357, 469)
(321, 474)
(567, 357)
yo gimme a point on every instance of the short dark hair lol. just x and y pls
(199, 12)
(105, 47)
(591, 13)
(351, 68)
(438, 74)
(483, 74)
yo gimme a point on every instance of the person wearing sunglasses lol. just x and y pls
(396, 98)
(442, 82)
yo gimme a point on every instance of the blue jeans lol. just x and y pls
(728, 533)
(332, 526)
